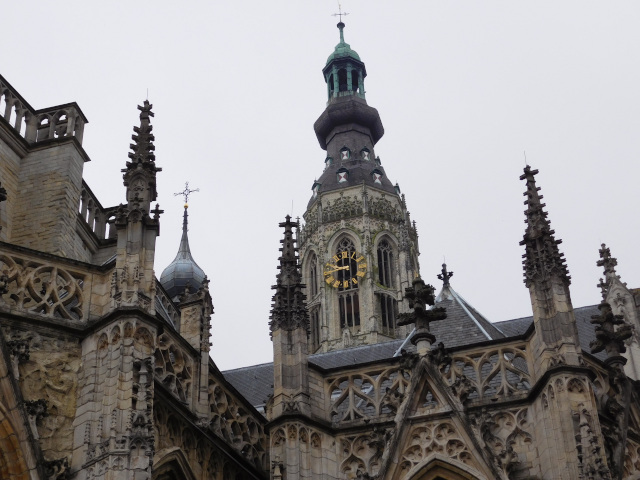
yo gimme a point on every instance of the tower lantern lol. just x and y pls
(344, 72)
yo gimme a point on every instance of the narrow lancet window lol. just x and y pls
(385, 264)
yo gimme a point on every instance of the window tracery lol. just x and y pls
(348, 278)
(385, 264)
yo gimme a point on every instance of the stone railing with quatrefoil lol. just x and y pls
(361, 395)
(500, 372)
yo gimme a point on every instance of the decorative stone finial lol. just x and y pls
(420, 297)
(608, 337)
(289, 310)
(445, 275)
(542, 258)
(142, 149)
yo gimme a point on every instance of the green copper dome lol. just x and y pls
(343, 49)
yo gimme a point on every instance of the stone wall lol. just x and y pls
(50, 183)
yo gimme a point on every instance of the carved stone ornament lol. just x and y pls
(608, 337)
(19, 350)
(57, 469)
(439, 356)
(462, 387)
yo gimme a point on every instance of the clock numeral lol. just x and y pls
(354, 281)
(329, 280)
(336, 284)
(360, 259)
(360, 273)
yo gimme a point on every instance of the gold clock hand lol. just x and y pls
(338, 268)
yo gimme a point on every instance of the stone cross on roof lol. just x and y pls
(445, 275)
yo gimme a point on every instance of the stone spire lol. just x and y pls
(542, 258)
(289, 310)
(548, 280)
(289, 332)
(142, 162)
(133, 282)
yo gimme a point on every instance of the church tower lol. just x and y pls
(358, 248)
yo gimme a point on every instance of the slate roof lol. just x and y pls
(464, 325)
(586, 331)
(359, 173)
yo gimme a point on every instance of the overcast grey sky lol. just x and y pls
(463, 89)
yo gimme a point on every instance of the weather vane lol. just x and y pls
(340, 13)
(186, 192)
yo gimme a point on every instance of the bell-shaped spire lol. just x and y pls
(183, 273)
(542, 258)
(289, 310)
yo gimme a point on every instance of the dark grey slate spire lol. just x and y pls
(183, 272)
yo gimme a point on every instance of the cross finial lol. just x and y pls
(340, 13)
(445, 275)
(186, 192)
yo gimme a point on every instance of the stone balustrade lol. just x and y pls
(98, 218)
(39, 125)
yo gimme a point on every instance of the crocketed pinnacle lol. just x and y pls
(609, 263)
(542, 258)
(142, 149)
(289, 311)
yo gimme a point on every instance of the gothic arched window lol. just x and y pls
(385, 264)
(388, 313)
(313, 276)
(315, 327)
(348, 279)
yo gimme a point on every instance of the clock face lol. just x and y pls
(345, 270)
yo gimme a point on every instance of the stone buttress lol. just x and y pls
(570, 439)
(289, 332)
(114, 430)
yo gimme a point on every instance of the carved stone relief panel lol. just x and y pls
(43, 289)
(50, 377)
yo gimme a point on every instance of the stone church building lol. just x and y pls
(104, 364)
